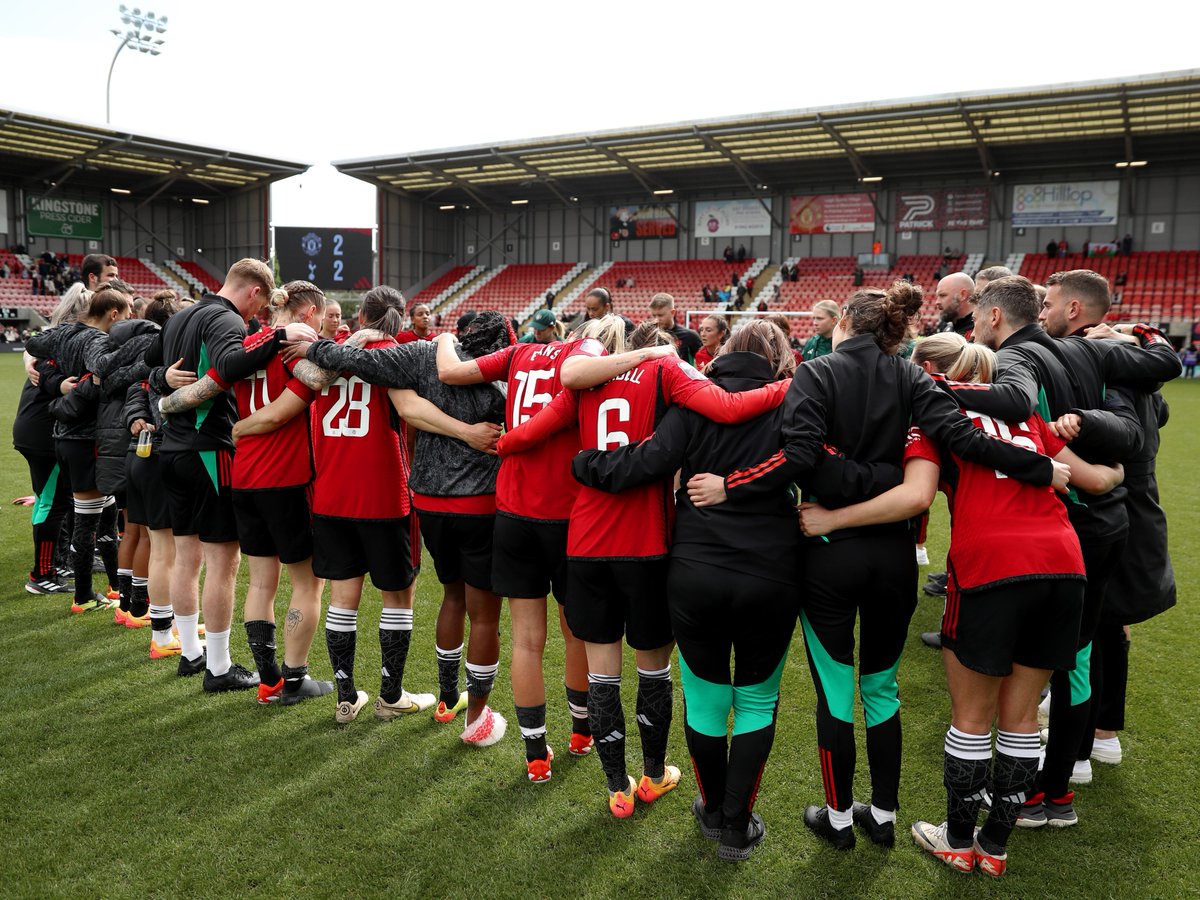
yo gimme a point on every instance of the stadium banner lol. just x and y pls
(60, 217)
(1066, 203)
(334, 259)
(732, 218)
(637, 223)
(831, 214)
(942, 209)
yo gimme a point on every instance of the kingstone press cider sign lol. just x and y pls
(60, 217)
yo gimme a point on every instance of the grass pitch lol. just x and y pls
(117, 778)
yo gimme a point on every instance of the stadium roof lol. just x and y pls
(38, 150)
(1152, 117)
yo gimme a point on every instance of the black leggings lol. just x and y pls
(871, 577)
(716, 613)
(1071, 714)
(53, 492)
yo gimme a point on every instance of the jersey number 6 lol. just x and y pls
(606, 438)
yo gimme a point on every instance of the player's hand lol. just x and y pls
(68, 385)
(140, 425)
(1067, 426)
(706, 489)
(816, 520)
(445, 337)
(343, 329)
(294, 350)
(365, 336)
(236, 434)
(1104, 330)
(31, 370)
(482, 436)
(658, 352)
(1062, 476)
(298, 331)
(178, 377)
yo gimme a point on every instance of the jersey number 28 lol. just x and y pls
(350, 415)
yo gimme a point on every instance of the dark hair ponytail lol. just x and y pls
(488, 332)
(383, 309)
(885, 314)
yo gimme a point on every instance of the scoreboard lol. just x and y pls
(334, 259)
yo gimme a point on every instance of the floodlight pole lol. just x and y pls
(108, 88)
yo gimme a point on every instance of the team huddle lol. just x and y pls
(663, 507)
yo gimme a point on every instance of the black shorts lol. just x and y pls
(461, 547)
(77, 461)
(386, 549)
(198, 493)
(1031, 623)
(607, 599)
(144, 492)
(275, 522)
(529, 558)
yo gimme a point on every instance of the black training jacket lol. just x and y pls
(207, 336)
(756, 534)
(75, 349)
(860, 402)
(1056, 376)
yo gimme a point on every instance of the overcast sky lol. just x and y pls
(363, 79)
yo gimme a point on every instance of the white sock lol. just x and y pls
(840, 820)
(218, 652)
(189, 637)
(882, 815)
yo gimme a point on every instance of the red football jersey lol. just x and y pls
(362, 472)
(636, 523)
(536, 484)
(1002, 529)
(282, 458)
(407, 337)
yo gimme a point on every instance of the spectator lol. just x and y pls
(4, 270)
(795, 276)
(549, 299)
(762, 304)
(629, 282)
(750, 284)
(707, 293)
(733, 279)
(723, 296)
(858, 276)
(741, 253)
(741, 297)
(1052, 249)
(1189, 357)
(1063, 248)
(729, 254)
(1126, 245)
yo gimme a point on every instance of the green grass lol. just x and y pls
(119, 779)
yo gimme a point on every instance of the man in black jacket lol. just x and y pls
(197, 460)
(1066, 380)
(1144, 582)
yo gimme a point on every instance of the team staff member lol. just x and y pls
(954, 294)
(147, 498)
(33, 437)
(662, 312)
(1143, 584)
(731, 585)
(870, 573)
(197, 461)
(272, 470)
(453, 488)
(825, 315)
(617, 545)
(546, 328)
(76, 349)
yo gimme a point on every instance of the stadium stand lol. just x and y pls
(440, 289)
(198, 272)
(176, 267)
(1146, 286)
(683, 278)
(510, 289)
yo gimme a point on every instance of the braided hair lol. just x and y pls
(488, 332)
